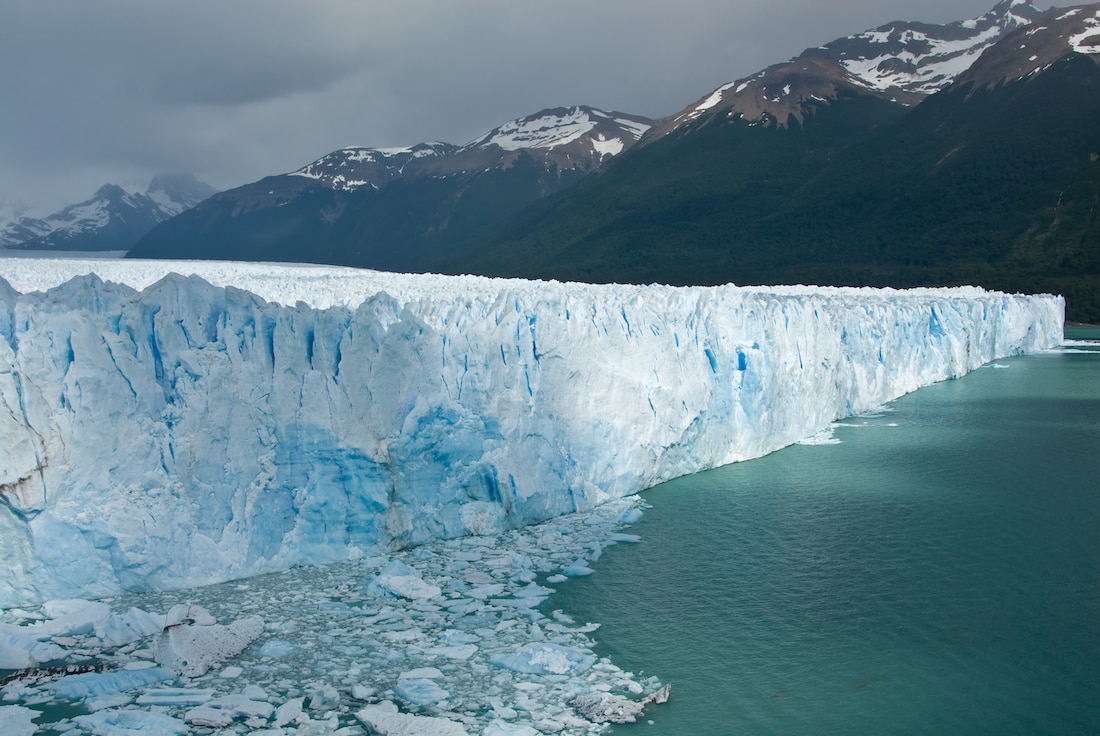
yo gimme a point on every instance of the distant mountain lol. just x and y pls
(993, 180)
(396, 208)
(113, 219)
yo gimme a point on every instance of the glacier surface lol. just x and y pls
(172, 424)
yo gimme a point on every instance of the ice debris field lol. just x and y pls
(448, 447)
(447, 638)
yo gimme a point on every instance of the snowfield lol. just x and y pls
(174, 424)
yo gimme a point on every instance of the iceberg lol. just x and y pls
(173, 424)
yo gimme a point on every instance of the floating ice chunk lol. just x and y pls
(73, 616)
(183, 613)
(131, 723)
(362, 692)
(89, 684)
(287, 712)
(20, 649)
(630, 516)
(191, 650)
(400, 580)
(578, 568)
(117, 631)
(455, 637)
(608, 708)
(429, 673)
(626, 538)
(385, 718)
(500, 728)
(221, 712)
(15, 720)
(323, 697)
(175, 696)
(460, 652)
(420, 691)
(231, 673)
(545, 659)
(277, 648)
(107, 700)
(481, 592)
(532, 590)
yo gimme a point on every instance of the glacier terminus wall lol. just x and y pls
(170, 424)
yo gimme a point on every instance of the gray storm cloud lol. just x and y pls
(232, 91)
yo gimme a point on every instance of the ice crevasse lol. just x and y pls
(170, 424)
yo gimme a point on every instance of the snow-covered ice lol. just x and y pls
(244, 418)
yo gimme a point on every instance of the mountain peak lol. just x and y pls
(1029, 51)
(608, 132)
(900, 61)
(112, 219)
(357, 166)
(566, 137)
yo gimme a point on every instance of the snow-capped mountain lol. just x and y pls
(900, 61)
(573, 137)
(568, 138)
(991, 180)
(358, 166)
(1031, 51)
(112, 219)
(382, 207)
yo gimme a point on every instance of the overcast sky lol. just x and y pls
(234, 90)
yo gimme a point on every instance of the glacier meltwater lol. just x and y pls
(172, 424)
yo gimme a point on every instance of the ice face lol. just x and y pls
(189, 433)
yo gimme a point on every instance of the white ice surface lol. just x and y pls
(189, 433)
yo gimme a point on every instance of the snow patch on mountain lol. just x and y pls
(1088, 40)
(610, 133)
(546, 131)
(924, 59)
(356, 166)
(926, 71)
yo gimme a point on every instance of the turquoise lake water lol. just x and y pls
(936, 572)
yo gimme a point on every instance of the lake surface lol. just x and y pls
(937, 571)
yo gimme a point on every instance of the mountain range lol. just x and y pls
(113, 219)
(399, 208)
(905, 155)
(994, 180)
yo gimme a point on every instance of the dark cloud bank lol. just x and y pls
(234, 90)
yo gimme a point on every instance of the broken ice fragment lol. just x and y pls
(89, 684)
(385, 718)
(131, 722)
(400, 580)
(545, 659)
(191, 650)
(15, 720)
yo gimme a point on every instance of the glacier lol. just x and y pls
(173, 424)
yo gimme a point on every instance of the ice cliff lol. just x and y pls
(181, 431)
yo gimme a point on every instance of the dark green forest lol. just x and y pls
(995, 187)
